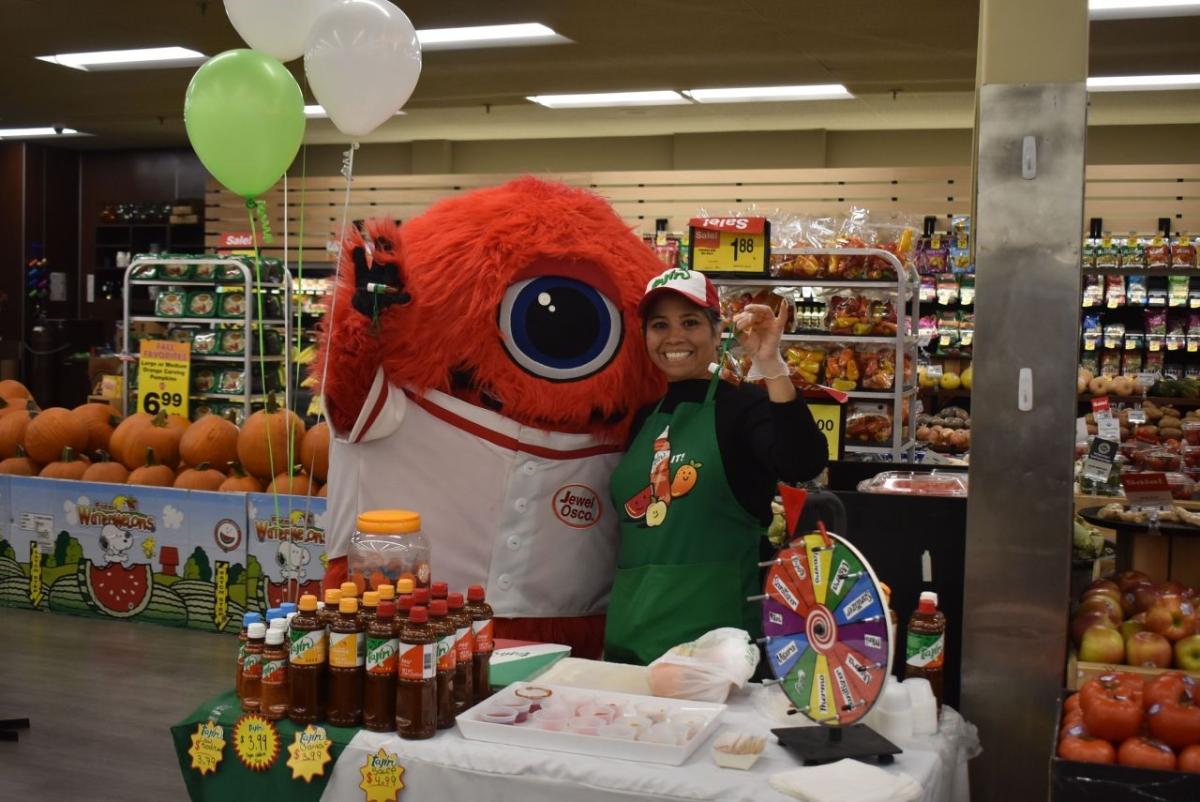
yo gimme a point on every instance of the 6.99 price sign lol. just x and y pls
(164, 367)
(729, 245)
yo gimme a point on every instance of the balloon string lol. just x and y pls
(261, 357)
(287, 378)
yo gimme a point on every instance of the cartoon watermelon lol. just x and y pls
(115, 590)
(636, 507)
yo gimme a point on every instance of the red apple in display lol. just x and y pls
(1128, 628)
(1171, 617)
(1187, 653)
(1145, 597)
(1127, 579)
(1105, 604)
(1148, 649)
(1089, 618)
(1104, 587)
(1130, 598)
(1171, 586)
(1140, 618)
(1102, 644)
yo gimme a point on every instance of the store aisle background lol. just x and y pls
(101, 696)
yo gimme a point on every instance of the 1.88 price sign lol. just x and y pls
(164, 367)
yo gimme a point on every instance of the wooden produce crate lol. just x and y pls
(1079, 671)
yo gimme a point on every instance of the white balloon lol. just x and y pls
(362, 60)
(278, 27)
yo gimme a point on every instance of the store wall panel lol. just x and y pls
(889, 148)
(749, 150)
(1141, 144)
(559, 155)
(12, 244)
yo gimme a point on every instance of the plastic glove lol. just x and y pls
(759, 331)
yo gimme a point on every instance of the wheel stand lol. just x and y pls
(826, 744)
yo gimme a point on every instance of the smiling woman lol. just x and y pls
(695, 485)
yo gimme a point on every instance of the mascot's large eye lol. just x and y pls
(559, 328)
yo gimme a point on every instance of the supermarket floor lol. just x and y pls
(101, 696)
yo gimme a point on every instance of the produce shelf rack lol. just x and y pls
(248, 360)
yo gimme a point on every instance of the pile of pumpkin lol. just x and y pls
(91, 443)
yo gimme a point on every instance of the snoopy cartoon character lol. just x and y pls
(292, 559)
(116, 543)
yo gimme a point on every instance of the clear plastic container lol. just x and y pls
(911, 483)
(387, 546)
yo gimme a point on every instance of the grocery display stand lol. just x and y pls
(249, 358)
(903, 395)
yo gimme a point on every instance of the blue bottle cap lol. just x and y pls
(288, 607)
(274, 613)
(251, 618)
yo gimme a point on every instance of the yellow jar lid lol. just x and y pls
(389, 522)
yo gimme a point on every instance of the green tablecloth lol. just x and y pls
(232, 780)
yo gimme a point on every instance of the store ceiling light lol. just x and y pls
(664, 97)
(317, 110)
(521, 34)
(1134, 9)
(1142, 83)
(145, 58)
(28, 133)
(767, 94)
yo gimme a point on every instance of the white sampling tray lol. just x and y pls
(705, 717)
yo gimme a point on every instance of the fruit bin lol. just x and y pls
(1072, 781)
(1080, 671)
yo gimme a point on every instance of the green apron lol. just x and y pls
(688, 557)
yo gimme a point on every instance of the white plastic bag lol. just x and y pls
(706, 669)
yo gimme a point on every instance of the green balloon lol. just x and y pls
(244, 115)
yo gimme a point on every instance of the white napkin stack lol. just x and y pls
(846, 781)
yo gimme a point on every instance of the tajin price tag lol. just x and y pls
(163, 370)
(729, 245)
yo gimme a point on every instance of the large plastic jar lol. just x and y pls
(388, 545)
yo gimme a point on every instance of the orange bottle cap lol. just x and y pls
(308, 602)
(332, 597)
(404, 586)
(348, 606)
(370, 599)
(349, 589)
(389, 522)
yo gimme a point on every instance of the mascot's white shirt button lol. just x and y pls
(504, 582)
(529, 468)
(514, 542)
(520, 504)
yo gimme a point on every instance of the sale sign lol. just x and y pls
(163, 370)
(1147, 490)
(729, 245)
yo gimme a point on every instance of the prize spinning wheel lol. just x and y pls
(827, 629)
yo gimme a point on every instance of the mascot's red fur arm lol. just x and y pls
(452, 302)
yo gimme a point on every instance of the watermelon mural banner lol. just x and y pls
(159, 555)
(286, 537)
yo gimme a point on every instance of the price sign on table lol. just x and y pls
(729, 245)
(1147, 490)
(164, 367)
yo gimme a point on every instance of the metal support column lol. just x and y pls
(1029, 174)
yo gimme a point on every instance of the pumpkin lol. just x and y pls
(12, 432)
(19, 465)
(202, 477)
(105, 469)
(270, 440)
(296, 484)
(323, 492)
(69, 466)
(11, 405)
(211, 439)
(178, 422)
(99, 419)
(123, 434)
(160, 434)
(314, 452)
(239, 481)
(52, 430)
(11, 388)
(152, 472)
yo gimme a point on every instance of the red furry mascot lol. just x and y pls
(484, 362)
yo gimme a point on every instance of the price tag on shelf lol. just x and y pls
(1147, 490)
(1101, 406)
(729, 245)
(1099, 461)
(829, 419)
(934, 371)
(164, 369)
(1137, 417)
(1108, 428)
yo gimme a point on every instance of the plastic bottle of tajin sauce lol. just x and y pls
(379, 683)
(306, 664)
(274, 705)
(404, 605)
(421, 597)
(329, 612)
(247, 620)
(447, 632)
(439, 590)
(925, 655)
(256, 633)
(416, 685)
(367, 608)
(345, 666)
(464, 645)
(482, 625)
(404, 586)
